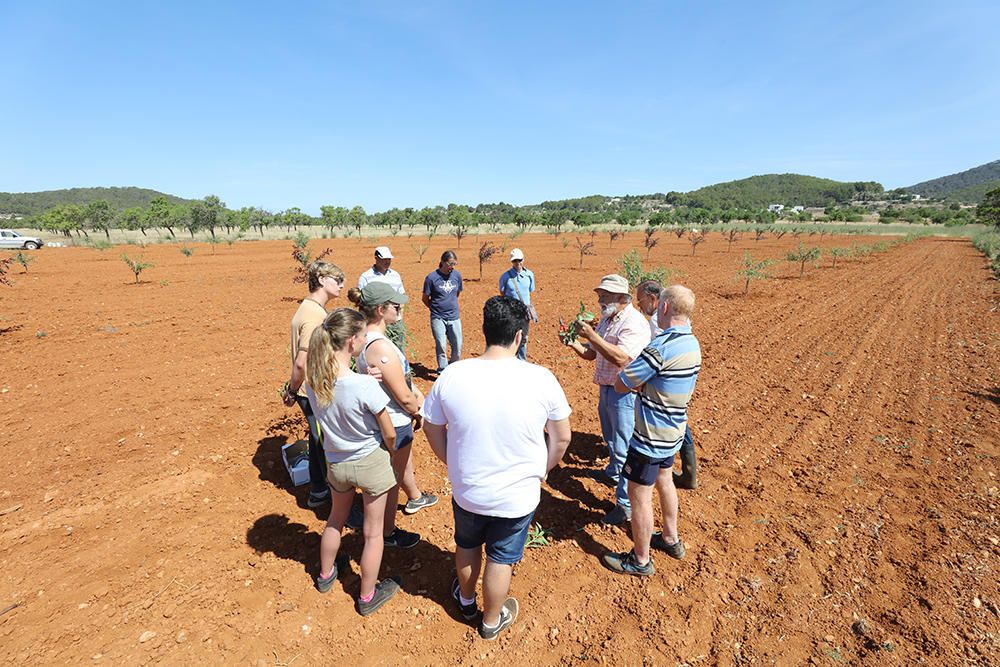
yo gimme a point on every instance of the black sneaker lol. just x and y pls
(626, 563)
(417, 504)
(617, 517)
(339, 563)
(384, 590)
(675, 550)
(356, 518)
(508, 614)
(468, 611)
(401, 539)
(318, 498)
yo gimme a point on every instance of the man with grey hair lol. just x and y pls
(664, 377)
(618, 339)
(647, 297)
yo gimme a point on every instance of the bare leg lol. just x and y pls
(668, 504)
(371, 555)
(329, 544)
(642, 518)
(402, 465)
(496, 586)
(468, 563)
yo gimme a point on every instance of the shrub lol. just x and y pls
(420, 250)
(802, 255)
(486, 252)
(186, 251)
(635, 273)
(23, 260)
(584, 249)
(836, 253)
(752, 270)
(136, 266)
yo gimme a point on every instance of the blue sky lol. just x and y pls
(423, 103)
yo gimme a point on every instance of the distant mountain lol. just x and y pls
(788, 189)
(33, 203)
(967, 186)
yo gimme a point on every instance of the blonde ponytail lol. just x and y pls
(331, 337)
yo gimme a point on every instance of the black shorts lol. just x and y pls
(643, 469)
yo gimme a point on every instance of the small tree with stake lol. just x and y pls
(420, 250)
(584, 249)
(613, 235)
(136, 266)
(649, 241)
(802, 255)
(752, 270)
(839, 252)
(459, 231)
(486, 252)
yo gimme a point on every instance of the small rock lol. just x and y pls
(977, 603)
(181, 637)
(285, 606)
(50, 496)
(861, 628)
(306, 629)
(82, 605)
(553, 633)
(146, 636)
(829, 639)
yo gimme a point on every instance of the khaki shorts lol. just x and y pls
(372, 474)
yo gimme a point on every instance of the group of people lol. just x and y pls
(498, 423)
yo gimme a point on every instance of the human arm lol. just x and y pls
(582, 351)
(557, 437)
(426, 295)
(387, 429)
(639, 371)
(437, 436)
(382, 354)
(613, 353)
(297, 378)
(426, 298)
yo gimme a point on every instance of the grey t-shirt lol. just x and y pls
(350, 430)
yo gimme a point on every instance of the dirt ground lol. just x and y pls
(847, 425)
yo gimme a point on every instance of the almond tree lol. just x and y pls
(613, 235)
(650, 240)
(136, 266)
(839, 252)
(420, 250)
(753, 270)
(731, 235)
(486, 252)
(584, 249)
(695, 237)
(802, 255)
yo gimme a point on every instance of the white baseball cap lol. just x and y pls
(383, 252)
(516, 254)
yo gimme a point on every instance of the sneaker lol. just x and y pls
(417, 504)
(356, 518)
(323, 585)
(617, 517)
(508, 614)
(384, 590)
(402, 539)
(318, 498)
(675, 550)
(626, 563)
(468, 611)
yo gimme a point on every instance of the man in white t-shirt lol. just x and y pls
(500, 424)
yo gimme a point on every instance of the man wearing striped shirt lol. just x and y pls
(663, 376)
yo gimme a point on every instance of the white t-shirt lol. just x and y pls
(350, 430)
(496, 411)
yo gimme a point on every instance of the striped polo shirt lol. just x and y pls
(666, 371)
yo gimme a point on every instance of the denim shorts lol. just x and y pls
(504, 538)
(643, 469)
(404, 436)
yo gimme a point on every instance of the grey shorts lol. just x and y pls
(372, 474)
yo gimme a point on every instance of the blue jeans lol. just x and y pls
(317, 457)
(452, 331)
(617, 414)
(522, 350)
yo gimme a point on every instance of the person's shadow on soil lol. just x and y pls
(425, 571)
(423, 372)
(270, 468)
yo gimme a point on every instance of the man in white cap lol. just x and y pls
(518, 282)
(620, 337)
(382, 272)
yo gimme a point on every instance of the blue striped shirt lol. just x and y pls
(666, 373)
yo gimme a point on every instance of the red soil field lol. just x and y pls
(847, 425)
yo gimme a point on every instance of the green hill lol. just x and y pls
(967, 186)
(788, 189)
(33, 203)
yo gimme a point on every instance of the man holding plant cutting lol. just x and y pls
(620, 336)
